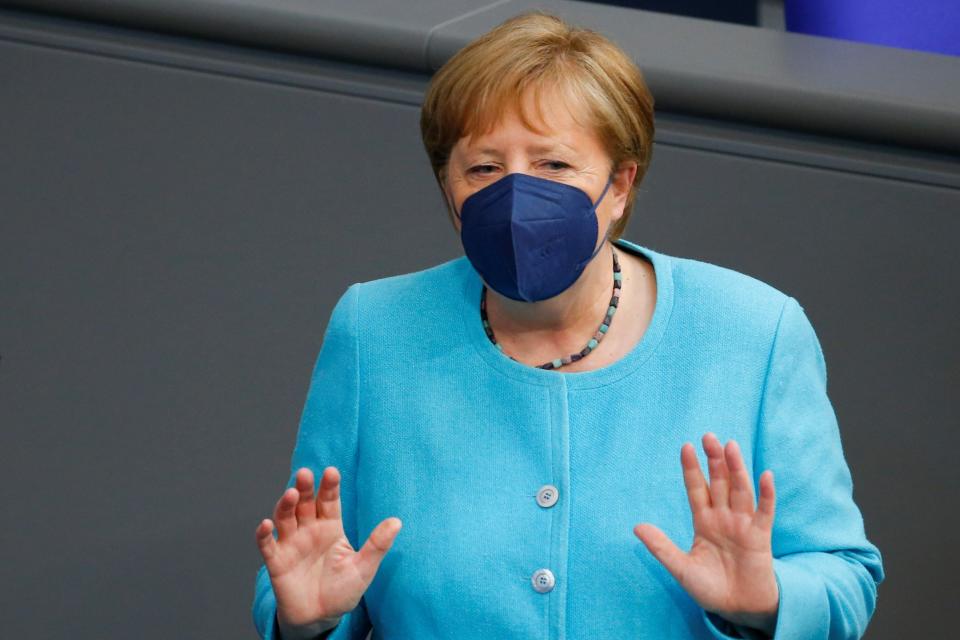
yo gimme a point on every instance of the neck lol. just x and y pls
(576, 311)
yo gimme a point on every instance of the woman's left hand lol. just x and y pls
(729, 568)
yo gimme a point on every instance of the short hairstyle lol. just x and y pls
(469, 94)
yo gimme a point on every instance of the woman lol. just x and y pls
(520, 409)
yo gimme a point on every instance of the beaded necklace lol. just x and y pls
(591, 345)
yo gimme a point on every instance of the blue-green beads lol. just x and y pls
(590, 346)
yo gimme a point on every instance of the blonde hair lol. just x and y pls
(537, 51)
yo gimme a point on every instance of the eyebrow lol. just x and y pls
(551, 148)
(542, 148)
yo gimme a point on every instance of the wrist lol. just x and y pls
(765, 623)
(763, 618)
(309, 631)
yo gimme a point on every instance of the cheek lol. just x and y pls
(607, 212)
(454, 200)
(450, 195)
(458, 192)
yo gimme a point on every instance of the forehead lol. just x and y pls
(542, 115)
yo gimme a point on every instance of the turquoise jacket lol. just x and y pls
(428, 421)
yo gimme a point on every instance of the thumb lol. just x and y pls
(371, 553)
(663, 549)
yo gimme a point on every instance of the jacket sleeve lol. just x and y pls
(827, 570)
(327, 436)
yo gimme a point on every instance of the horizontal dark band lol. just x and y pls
(700, 67)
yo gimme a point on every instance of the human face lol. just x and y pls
(563, 150)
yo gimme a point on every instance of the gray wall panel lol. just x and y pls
(368, 31)
(763, 76)
(874, 263)
(726, 71)
(173, 245)
(178, 219)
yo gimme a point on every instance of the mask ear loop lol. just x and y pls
(606, 234)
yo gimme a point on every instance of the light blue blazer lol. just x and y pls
(427, 421)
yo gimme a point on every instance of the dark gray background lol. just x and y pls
(179, 213)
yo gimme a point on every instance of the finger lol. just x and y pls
(741, 486)
(284, 515)
(306, 507)
(371, 553)
(265, 541)
(328, 495)
(670, 556)
(767, 504)
(697, 492)
(717, 464)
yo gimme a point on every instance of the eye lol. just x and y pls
(482, 169)
(555, 165)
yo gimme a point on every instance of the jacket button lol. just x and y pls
(547, 495)
(542, 580)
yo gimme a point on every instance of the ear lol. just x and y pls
(621, 185)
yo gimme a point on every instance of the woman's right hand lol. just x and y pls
(316, 575)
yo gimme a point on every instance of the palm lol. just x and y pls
(314, 575)
(729, 568)
(727, 552)
(315, 572)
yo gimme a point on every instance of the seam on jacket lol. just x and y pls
(356, 408)
(356, 462)
(567, 508)
(613, 379)
(663, 331)
(551, 399)
(766, 378)
(663, 334)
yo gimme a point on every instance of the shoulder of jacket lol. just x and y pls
(401, 299)
(728, 295)
(423, 280)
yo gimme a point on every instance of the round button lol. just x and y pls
(542, 580)
(548, 495)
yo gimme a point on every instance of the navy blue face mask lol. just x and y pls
(530, 238)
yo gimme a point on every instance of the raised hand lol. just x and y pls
(729, 568)
(315, 572)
